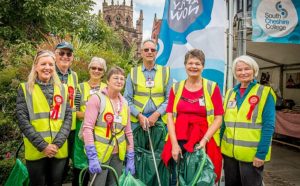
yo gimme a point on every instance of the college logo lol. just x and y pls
(277, 18)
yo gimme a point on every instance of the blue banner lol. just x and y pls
(276, 21)
(188, 24)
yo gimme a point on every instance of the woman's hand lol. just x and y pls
(176, 152)
(50, 150)
(258, 162)
(202, 144)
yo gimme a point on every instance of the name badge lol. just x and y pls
(117, 119)
(149, 83)
(93, 91)
(231, 104)
(201, 102)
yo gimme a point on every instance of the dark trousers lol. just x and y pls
(71, 139)
(239, 173)
(173, 164)
(84, 179)
(46, 171)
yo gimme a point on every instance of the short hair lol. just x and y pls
(249, 61)
(115, 70)
(195, 53)
(98, 60)
(148, 40)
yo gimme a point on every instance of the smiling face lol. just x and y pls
(116, 82)
(148, 52)
(194, 67)
(64, 58)
(45, 68)
(96, 71)
(244, 73)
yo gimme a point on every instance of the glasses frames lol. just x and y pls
(149, 49)
(97, 68)
(62, 53)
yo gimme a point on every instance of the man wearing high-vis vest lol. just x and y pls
(248, 126)
(64, 58)
(147, 89)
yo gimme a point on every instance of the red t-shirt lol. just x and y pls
(189, 112)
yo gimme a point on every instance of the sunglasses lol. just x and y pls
(62, 53)
(148, 49)
(97, 68)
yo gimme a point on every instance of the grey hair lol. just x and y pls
(249, 61)
(98, 60)
(148, 40)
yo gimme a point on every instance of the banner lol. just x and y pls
(276, 21)
(188, 24)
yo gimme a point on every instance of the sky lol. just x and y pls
(149, 7)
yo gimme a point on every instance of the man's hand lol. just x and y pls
(143, 120)
(153, 118)
(258, 162)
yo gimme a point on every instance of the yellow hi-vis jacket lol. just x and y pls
(241, 136)
(142, 94)
(105, 145)
(39, 115)
(73, 82)
(208, 89)
(84, 89)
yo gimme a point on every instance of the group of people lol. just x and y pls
(92, 124)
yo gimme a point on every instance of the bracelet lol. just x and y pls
(206, 138)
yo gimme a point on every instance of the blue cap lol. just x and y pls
(65, 44)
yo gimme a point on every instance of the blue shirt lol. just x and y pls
(63, 77)
(268, 120)
(150, 106)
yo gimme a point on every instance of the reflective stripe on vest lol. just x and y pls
(142, 94)
(208, 89)
(39, 116)
(84, 89)
(106, 144)
(241, 136)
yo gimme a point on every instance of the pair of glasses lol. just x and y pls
(62, 53)
(149, 49)
(97, 68)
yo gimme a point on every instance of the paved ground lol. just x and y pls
(284, 168)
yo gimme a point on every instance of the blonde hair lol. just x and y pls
(98, 60)
(33, 74)
(249, 61)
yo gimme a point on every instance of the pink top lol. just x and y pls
(90, 117)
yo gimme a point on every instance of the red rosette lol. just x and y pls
(71, 95)
(109, 119)
(58, 99)
(253, 100)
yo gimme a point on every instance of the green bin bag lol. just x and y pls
(144, 164)
(18, 176)
(196, 169)
(79, 157)
(129, 180)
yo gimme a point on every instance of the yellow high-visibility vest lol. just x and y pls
(84, 89)
(105, 145)
(39, 115)
(241, 136)
(73, 81)
(142, 94)
(208, 89)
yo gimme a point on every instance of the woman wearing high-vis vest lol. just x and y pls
(194, 115)
(97, 68)
(248, 126)
(107, 130)
(45, 119)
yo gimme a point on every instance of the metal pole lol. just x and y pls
(230, 46)
(152, 151)
(244, 27)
